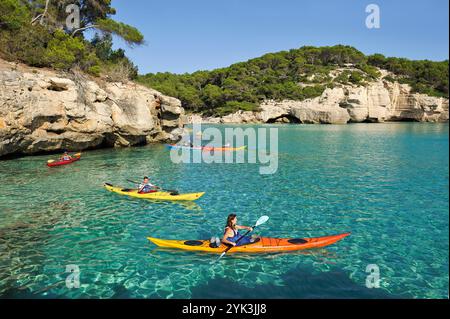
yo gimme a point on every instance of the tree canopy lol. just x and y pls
(35, 32)
(296, 74)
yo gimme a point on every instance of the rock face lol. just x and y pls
(43, 111)
(379, 101)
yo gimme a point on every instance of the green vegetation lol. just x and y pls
(427, 77)
(35, 32)
(233, 107)
(296, 74)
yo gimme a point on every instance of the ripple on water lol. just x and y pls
(387, 184)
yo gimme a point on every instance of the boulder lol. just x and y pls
(46, 111)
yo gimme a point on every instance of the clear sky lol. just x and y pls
(190, 35)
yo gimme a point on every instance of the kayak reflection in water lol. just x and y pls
(231, 234)
(66, 157)
(146, 187)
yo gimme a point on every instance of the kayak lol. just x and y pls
(207, 148)
(60, 163)
(156, 195)
(233, 149)
(181, 147)
(261, 245)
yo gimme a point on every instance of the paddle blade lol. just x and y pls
(78, 155)
(216, 260)
(262, 220)
(50, 161)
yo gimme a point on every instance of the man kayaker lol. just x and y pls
(66, 157)
(147, 187)
(231, 234)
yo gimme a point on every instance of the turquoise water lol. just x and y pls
(386, 183)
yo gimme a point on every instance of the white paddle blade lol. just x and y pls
(220, 257)
(262, 220)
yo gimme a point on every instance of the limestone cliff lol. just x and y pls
(44, 111)
(378, 101)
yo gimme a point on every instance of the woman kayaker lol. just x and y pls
(66, 157)
(231, 234)
(146, 187)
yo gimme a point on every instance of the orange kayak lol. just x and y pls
(208, 148)
(261, 245)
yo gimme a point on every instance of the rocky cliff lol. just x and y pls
(44, 111)
(378, 101)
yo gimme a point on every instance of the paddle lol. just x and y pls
(52, 161)
(171, 191)
(260, 221)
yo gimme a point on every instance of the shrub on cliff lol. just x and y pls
(34, 32)
(13, 14)
(63, 51)
(232, 107)
(424, 76)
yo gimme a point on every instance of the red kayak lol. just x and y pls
(75, 158)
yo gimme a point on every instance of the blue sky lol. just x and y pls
(190, 35)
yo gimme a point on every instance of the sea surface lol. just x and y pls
(388, 184)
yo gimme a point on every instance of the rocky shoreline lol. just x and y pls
(380, 101)
(43, 110)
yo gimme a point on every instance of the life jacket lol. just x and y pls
(244, 241)
(147, 188)
(236, 236)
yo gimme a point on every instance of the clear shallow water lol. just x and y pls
(386, 183)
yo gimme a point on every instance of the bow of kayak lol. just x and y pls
(157, 195)
(262, 245)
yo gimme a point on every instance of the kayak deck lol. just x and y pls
(263, 245)
(156, 195)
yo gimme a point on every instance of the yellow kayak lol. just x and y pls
(157, 195)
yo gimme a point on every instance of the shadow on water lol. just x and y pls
(299, 283)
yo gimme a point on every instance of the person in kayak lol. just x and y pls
(231, 234)
(146, 187)
(188, 143)
(66, 157)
